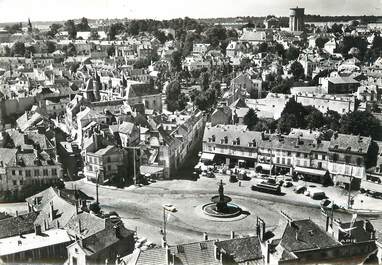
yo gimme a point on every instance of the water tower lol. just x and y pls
(296, 19)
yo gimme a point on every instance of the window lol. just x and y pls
(108, 159)
(289, 161)
(54, 172)
(335, 157)
(347, 159)
(109, 167)
(316, 156)
(289, 153)
(45, 172)
(27, 173)
(74, 260)
(14, 182)
(297, 154)
(13, 172)
(21, 182)
(278, 160)
(323, 157)
(359, 161)
(36, 172)
(319, 164)
(90, 159)
(306, 155)
(20, 172)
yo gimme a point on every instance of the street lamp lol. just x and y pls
(169, 208)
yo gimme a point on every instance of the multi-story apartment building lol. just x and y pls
(22, 171)
(105, 163)
(347, 157)
(341, 157)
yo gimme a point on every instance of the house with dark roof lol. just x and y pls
(237, 250)
(304, 242)
(348, 157)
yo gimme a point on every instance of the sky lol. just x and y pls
(54, 10)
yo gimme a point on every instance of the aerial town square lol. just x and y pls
(182, 132)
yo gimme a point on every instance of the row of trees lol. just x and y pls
(295, 115)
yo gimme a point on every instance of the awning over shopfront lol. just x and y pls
(311, 171)
(207, 156)
(264, 166)
(368, 185)
(150, 170)
(343, 179)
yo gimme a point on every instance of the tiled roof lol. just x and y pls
(155, 256)
(241, 249)
(348, 142)
(20, 224)
(305, 234)
(89, 223)
(201, 253)
(105, 238)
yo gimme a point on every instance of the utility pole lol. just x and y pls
(97, 186)
(351, 180)
(164, 225)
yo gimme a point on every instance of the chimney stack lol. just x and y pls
(232, 234)
(79, 225)
(51, 211)
(37, 229)
(268, 252)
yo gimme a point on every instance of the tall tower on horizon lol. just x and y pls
(296, 19)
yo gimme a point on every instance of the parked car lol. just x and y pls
(233, 178)
(169, 207)
(300, 189)
(288, 184)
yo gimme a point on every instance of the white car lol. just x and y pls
(169, 207)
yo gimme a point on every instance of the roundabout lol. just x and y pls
(221, 208)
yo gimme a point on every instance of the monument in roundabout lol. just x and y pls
(221, 205)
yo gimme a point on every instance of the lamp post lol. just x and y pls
(169, 208)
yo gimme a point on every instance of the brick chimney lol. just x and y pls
(51, 212)
(37, 229)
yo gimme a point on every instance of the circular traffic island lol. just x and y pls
(230, 210)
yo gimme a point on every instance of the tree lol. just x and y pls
(176, 61)
(29, 51)
(161, 36)
(114, 30)
(110, 50)
(362, 123)
(215, 35)
(70, 50)
(53, 29)
(297, 70)
(298, 111)
(332, 119)
(320, 42)
(175, 100)
(133, 28)
(287, 122)
(263, 47)
(204, 80)
(18, 49)
(250, 119)
(283, 87)
(314, 119)
(217, 87)
(292, 53)
(94, 34)
(70, 27)
(83, 25)
(14, 28)
(50, 46)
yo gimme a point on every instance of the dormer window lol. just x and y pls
(254, 142)
(348, 149)
(238, 141)
(213, 138)
(226, 139)
(336, 146)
